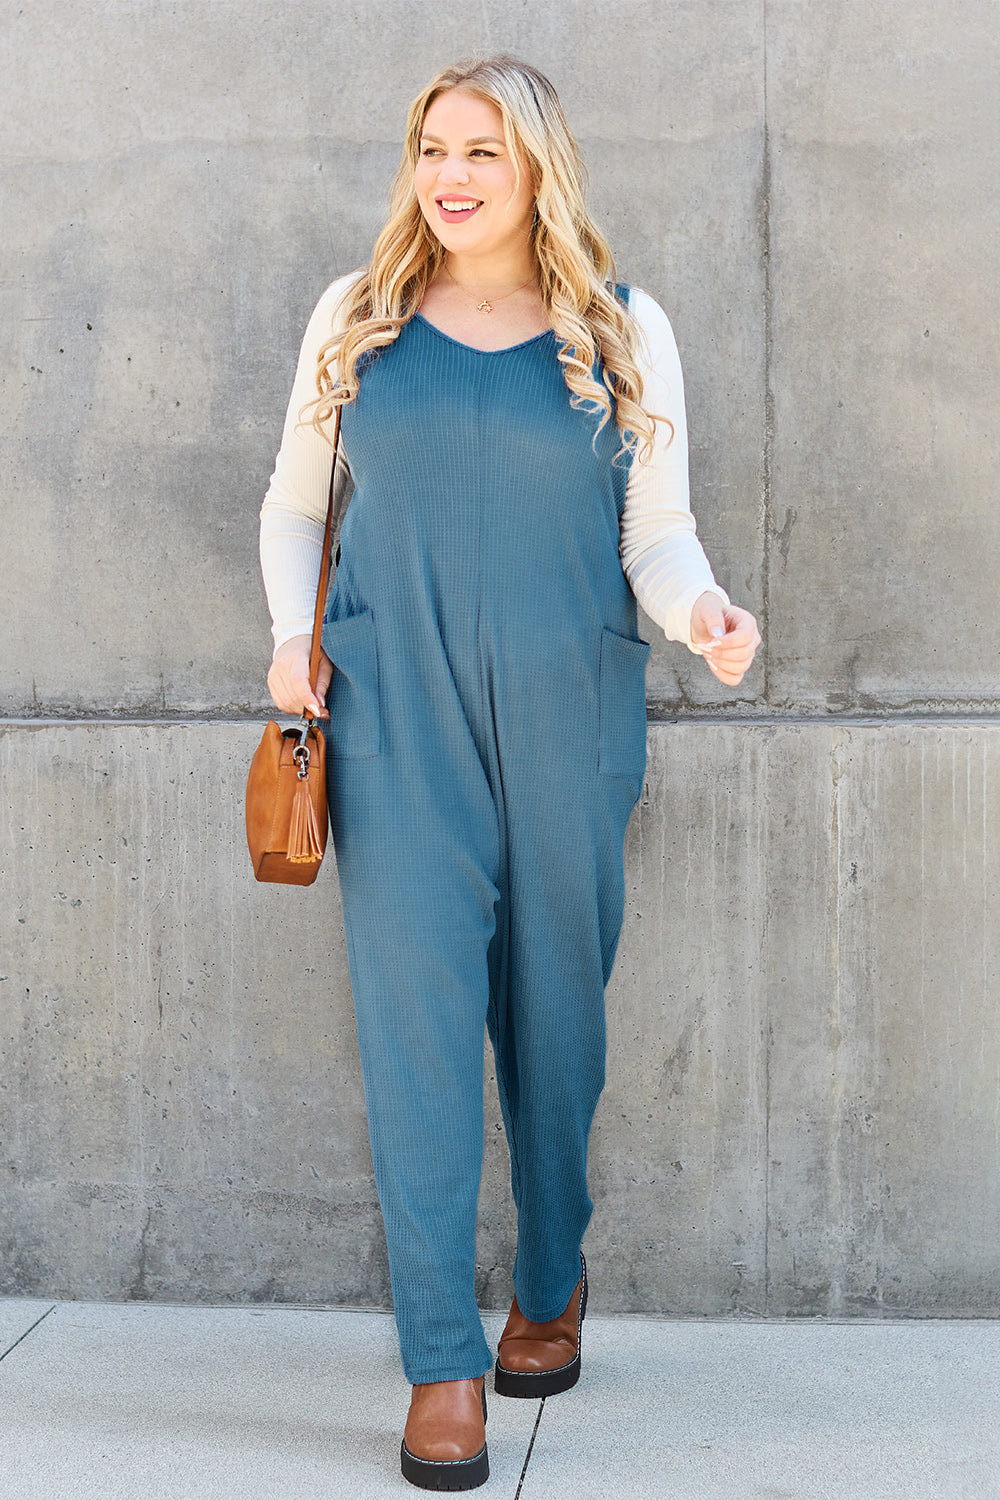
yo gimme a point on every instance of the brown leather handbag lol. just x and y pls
(286, 810)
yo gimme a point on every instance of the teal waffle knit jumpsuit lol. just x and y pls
(487, 743)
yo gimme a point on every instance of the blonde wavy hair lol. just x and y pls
(574, 263)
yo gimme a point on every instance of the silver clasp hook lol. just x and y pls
(301, 754)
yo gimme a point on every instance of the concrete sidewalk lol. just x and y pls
(121, 1401)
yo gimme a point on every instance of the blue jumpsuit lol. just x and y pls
(487, 743)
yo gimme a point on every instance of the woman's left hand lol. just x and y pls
(726, 636)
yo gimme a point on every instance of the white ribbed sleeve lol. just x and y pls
(662, 557)
(660, 551)
(293, 515)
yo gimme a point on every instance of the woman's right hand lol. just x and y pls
(288, 679)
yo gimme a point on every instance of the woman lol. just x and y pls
(513, 425)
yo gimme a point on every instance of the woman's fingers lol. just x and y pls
(302, 692)
(733, 646)
(731, 676)
(708, 619)
(734, 656)
(729, 656)
(288, 679)
(730, 669)
(741, 627)
(283, 693)
(324, 677)
(746, 638)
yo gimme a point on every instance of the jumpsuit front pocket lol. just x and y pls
(355, 726)
(622, 722)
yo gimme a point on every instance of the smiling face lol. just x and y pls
(466, 178)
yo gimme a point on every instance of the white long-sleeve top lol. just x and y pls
(663, 559)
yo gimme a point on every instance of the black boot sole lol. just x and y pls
(453, 1474)
(446, 1474)
(532, 1385)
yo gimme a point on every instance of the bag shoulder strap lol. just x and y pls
(324, 567)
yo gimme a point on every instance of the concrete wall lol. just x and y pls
(802, 1113)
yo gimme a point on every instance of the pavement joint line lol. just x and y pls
(527, 1456)
(34, 1325)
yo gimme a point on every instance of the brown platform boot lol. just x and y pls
(542, 1359)
(444, 1445)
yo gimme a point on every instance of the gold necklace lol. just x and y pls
(486, 306)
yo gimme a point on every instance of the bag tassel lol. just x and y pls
(303, 837)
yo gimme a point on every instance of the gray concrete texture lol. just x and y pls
(801, 1117)
(106, 1402)
(802, 1112)
(812, 193)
